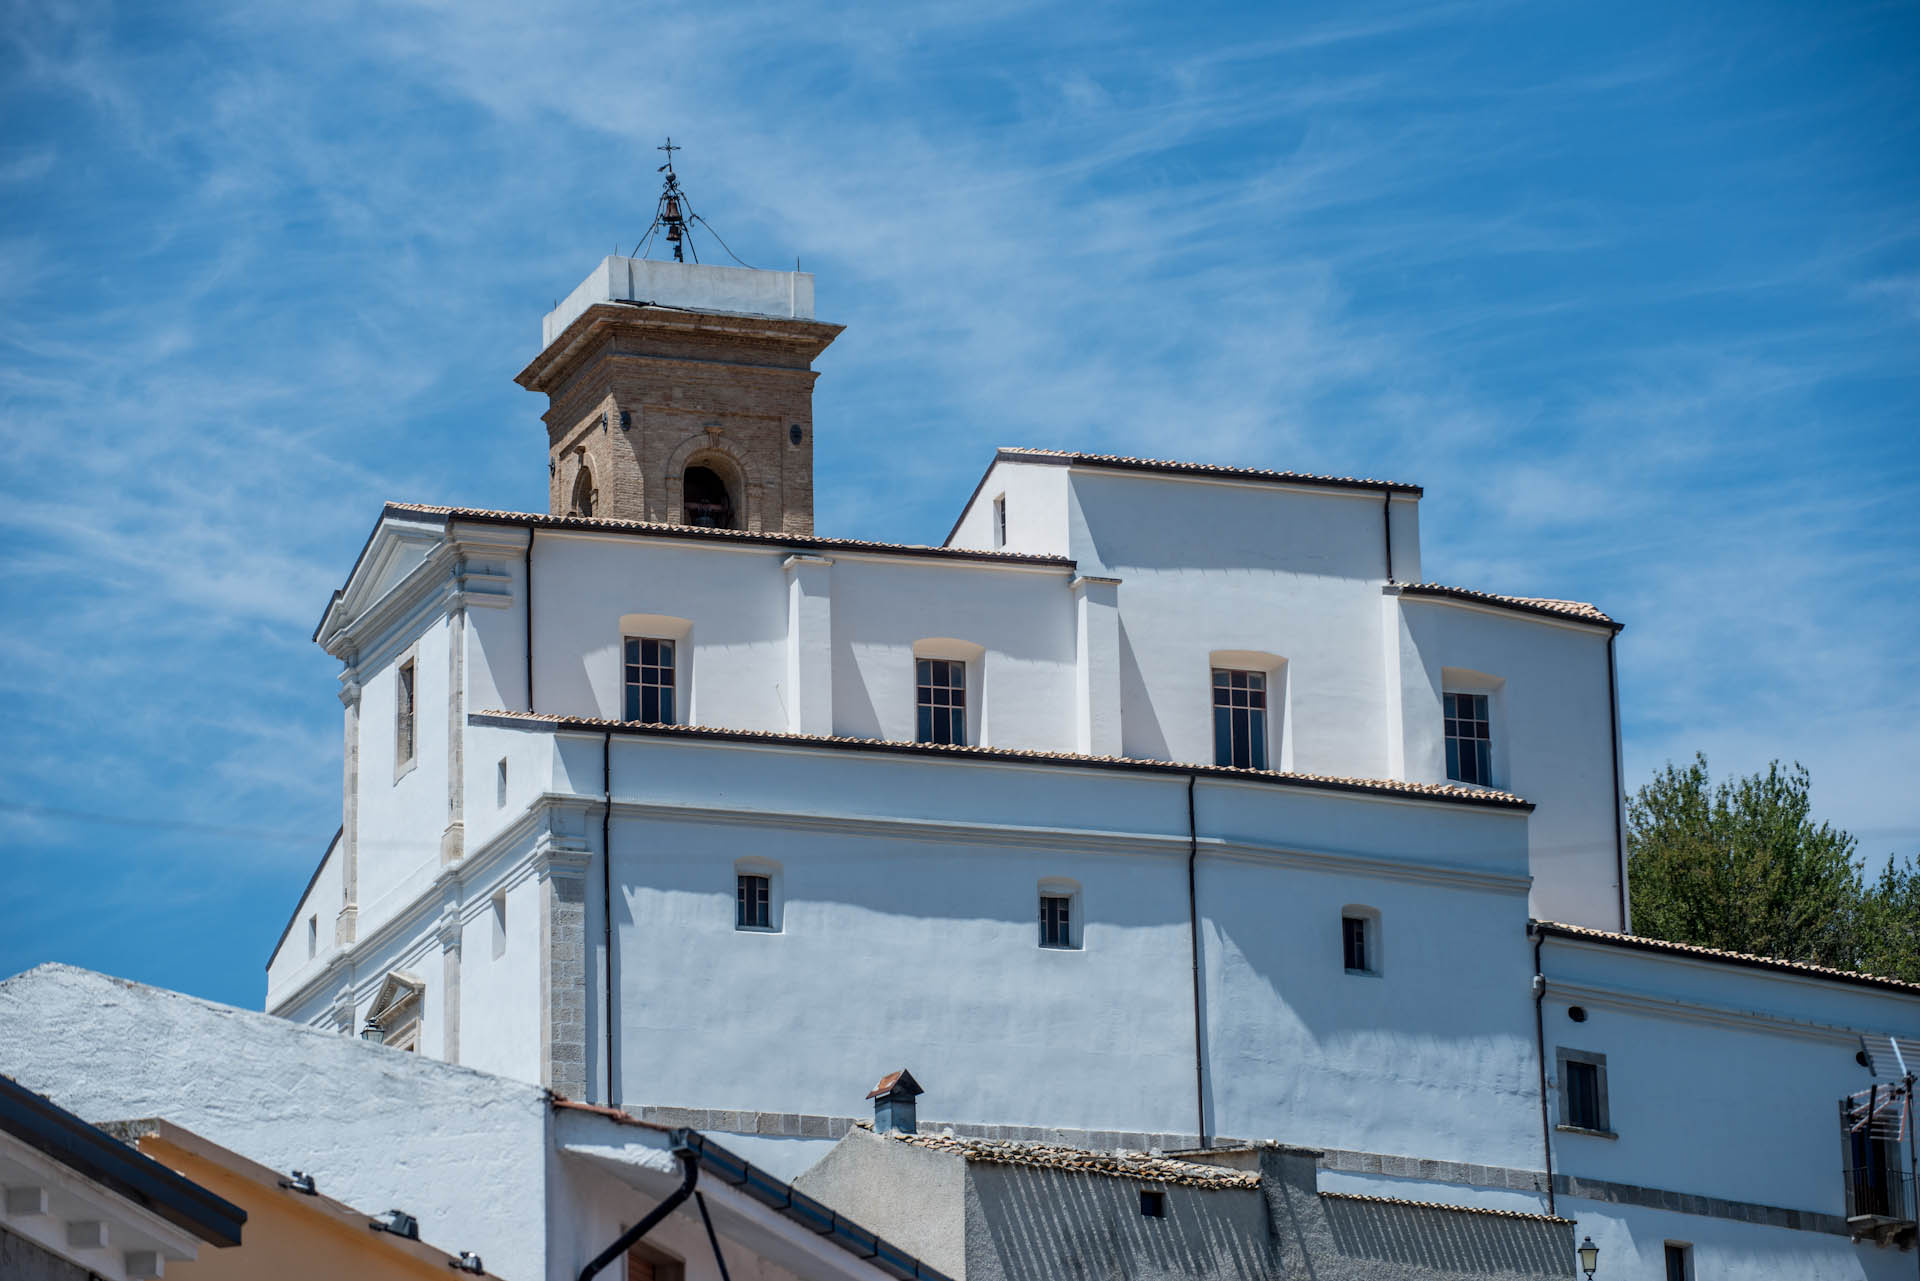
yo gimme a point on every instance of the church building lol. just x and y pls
(1160, 805)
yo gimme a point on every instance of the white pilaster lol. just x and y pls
(1096, 688)
(809, 644)
(346, 924)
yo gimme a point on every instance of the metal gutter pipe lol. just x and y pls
(1540, 1052)
(531, 530)
(713, 1238)
(1193, 939)
(690, 1174)
(1619, 800)
(1386, 523)
(606, 901)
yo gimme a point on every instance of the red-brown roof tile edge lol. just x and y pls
(1121, 462)
(1645, 944)
(1441, 1205)
(1578, 610)
(1447, 792)
(660, 529)
(618, 1117)
(1143, 1166)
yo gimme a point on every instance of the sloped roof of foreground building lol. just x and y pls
(1012, 1209)
(465, 1152)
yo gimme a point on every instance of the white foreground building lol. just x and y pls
(1161, 805)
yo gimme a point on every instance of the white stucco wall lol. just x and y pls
(402, 811)
(291, 963)
(1633, 1241)
(377, 1128)
(1037, 504)
(903, 913)
(1721, 1080)
(1206, 567)
(1551, 706)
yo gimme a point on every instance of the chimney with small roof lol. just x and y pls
(893, 1107)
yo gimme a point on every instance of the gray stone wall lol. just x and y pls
(563, 979)
(22, 1260)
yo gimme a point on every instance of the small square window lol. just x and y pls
(1353, 930)
(1056, 920)
(1240, 719)
(1583, 1091)
(1469, 731)
(940, 696)
(649, 680)
(1153, 1203)
(753, 901)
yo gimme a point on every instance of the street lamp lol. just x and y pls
(373, 1032)
(1589, 1257)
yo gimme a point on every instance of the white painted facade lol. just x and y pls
(905, 879)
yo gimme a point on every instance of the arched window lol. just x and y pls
(583, 492)
(704, 499)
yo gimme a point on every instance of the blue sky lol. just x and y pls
(1632, 289)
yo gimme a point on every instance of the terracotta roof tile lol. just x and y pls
(1577, 609)
(1382, 786)
(1143, 1166)
(661, 529)
(1120, 462)
(1645, 944)
(1438, 1205)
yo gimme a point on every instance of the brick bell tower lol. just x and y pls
(682, 393)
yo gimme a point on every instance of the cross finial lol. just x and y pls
(669, 148)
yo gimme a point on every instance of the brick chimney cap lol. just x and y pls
(899, 1083)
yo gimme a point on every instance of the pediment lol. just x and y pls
(397, 548)
(397, 991)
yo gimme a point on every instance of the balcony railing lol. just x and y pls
(1879, 1201)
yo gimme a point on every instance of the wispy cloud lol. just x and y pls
(1636, 305)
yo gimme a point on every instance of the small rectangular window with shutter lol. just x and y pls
(753, 901)
(1056, 920)
(403, 715)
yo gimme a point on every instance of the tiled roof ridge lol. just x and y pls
(1175, 466)
(616, 525)
(1382, 786)
(1050, 1156)
(1441, 1205)
(1647, 943)
(1577, 609)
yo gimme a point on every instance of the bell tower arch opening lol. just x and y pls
(584, 493)
(706, 499)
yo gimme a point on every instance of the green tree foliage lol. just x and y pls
(1741, 865)
(1887, 935)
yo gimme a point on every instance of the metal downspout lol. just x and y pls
(606, 901)
(1619, 800)
(690, 1174)
(1540, 1052)
(1193, 939)
(531, 531)
(1386, 524)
